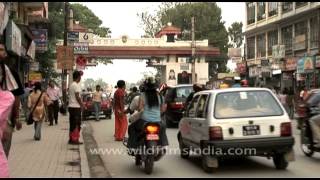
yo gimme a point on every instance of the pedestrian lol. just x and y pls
(36, 104)
(290, 103)
(304, 94)
(53, 107)
(75, 108)
(283, 99)
(10, 81)
(196, 88)
(121, 122)
(97, 99)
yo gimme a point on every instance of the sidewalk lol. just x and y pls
(52, 156)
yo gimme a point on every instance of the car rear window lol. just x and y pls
(242, 104)
(184, 92)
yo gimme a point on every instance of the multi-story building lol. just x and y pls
(17, 34)
(292, 24)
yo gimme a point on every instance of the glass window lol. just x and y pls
(202, 107)
(300, 35)
(246, 104)
(286, 34)
(251, 47)
(193, 107)
(314, 28)
(272, 8)
(272, 40)
(261, 45)
(184, 92)
(287, 6)
(261, 10)
(251, 12)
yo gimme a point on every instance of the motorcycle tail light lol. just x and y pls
(152, 129)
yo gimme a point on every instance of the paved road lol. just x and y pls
(122, 165)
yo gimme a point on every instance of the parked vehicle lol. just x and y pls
(149, 151)
(249, 119)
(303, 109)
(175, 97)
(309, 109)
(106, 106)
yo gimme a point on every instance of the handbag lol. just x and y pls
(30, 118)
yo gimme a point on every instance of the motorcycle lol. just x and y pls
(148, 150)
(307, 144)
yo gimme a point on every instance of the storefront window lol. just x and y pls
(314, 28)
(272, 40)
(251, 12)
(300, 41)
(273, 8)
(286, 34)
(251, 47)
(261, 10)
(287, 6)
(261, 45)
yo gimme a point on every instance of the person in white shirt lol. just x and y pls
(97, 99)
(53, 107)
(75, 108)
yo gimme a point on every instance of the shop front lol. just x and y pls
(289, 73)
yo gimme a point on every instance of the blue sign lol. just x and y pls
(40, 39)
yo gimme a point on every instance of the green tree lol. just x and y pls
(208, 25)
(88, 19)
(235, 34)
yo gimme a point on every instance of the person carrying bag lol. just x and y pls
(30, 118)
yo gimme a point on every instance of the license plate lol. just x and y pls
(251, 130)
(152, 137)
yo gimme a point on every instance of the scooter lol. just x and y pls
(307, 144)
(148, 151)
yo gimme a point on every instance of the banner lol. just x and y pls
(13, 38)
(291, 64)
(40, 39)
(305, 65)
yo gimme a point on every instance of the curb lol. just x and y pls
(95, 163)
(85, 171)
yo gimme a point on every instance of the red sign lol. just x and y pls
(81, 61)
(291, 64)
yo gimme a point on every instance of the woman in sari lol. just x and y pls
(121, 122)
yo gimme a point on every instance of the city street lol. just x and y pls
(174, 166)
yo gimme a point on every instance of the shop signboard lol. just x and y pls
(73, 37)
(308, 64)
(32, 50)
(40, 39)
(35, 77)
(13, 38)
(65, 57)
(81, 48)
(291, 64)
(184, 66)
(278, 51)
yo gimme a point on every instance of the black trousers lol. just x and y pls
(53, 112)
(74, 119)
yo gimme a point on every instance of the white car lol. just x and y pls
(236, 122)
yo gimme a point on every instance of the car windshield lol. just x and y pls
(246, 104)
(184, 92)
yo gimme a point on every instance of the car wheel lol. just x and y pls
(184, 151)
(280, 161)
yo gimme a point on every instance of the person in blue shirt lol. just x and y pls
(151, 105)
(237, 83)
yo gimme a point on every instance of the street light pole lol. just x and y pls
(65, 43)
(193, 47)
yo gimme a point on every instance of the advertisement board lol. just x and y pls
(35, 77)
(40, 39)
(65, 57)
(13, 38)
(80, 48)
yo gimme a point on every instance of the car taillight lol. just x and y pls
(286, 129)
(215, 133)
(177, 105)
(152, 129)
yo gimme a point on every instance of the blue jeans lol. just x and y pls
(97, 109)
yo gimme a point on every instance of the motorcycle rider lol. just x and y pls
(150, 108)
(315, 127)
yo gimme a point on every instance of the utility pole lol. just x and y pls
(193, 47)
(65, 43)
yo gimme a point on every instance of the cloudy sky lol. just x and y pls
(121, 18)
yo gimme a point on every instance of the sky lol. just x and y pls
(121, 18)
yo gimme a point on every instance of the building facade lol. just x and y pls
(281, 36)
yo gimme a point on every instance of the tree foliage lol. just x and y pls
(208, 25)
(235, 34)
